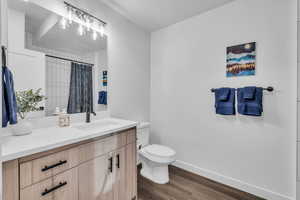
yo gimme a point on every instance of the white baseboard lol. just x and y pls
(252, 189)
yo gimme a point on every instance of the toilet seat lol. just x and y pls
(159, 153)
(159, 150)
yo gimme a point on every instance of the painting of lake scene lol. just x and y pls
(241, 60)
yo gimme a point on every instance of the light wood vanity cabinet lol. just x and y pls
(97, 169)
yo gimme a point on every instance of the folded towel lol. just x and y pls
(252, 107)
(249, 92)
(223, 94)
(225, 106)
(102, 99)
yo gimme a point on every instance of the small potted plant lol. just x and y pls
(27, 101)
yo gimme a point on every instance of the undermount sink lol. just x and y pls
(97, 125)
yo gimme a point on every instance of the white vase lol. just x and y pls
(23, 127)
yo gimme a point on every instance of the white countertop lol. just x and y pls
(44, 139)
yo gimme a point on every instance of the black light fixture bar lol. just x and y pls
(84, 12)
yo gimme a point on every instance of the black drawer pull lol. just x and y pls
(47, 191)
(61, 162)
(118, 161)
(110, 168)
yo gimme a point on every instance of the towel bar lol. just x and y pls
(269, 89)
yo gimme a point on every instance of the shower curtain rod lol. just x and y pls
(67, 59)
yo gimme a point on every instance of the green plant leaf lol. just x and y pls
(28, 101)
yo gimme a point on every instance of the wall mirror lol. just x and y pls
(66, 59)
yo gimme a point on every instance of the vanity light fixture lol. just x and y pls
(70, 15)
(102, 31)
(80, 30)
(63, 23)
(86, 21)
(95, 35)
(88, 24)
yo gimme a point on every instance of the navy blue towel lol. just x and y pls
(247, 106)
(225, 101)
(249, 92)
(102, 99)
(9, 103)
(223, 94)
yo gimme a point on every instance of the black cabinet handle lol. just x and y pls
(47, 191)
(118, 161)
(61, 162)
(110, 168)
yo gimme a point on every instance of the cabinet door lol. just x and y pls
(131, 172)
(95, 179)
(120, 174)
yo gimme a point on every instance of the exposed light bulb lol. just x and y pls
(102, 30)
(88, 24)
(25, 0)
(80, 30)
(70, 16)
(63, 23)
(95, 35)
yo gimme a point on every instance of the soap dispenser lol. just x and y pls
(64, 119)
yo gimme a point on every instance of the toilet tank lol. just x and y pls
(143, 134)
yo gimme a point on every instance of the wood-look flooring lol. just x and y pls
(184, 185)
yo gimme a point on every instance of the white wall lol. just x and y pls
(257, 155)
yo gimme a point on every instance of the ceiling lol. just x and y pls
(156, 14)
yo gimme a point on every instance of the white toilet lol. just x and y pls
(155, 158)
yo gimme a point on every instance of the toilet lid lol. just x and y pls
(159, 150)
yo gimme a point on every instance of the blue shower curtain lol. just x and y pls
(81, 89)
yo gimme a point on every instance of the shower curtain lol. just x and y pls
(81, 89)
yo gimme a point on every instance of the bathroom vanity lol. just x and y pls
(86, 161)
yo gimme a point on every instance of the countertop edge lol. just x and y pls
(15, 156)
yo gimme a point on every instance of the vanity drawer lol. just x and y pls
(59, 187)
(34, 192)
(42, 168)
(69, 188)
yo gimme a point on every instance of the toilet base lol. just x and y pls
(155, 172)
